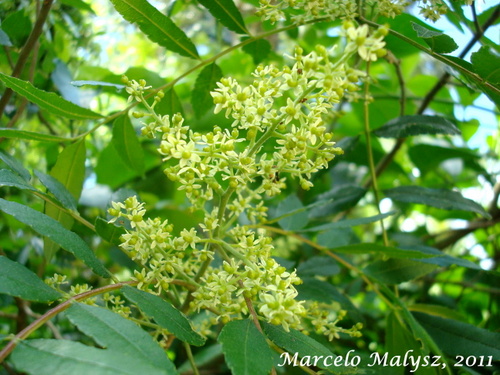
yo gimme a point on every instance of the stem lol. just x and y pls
(366, 118)
(191, 358)
(28, 47)
(330, 254)
(53, 312)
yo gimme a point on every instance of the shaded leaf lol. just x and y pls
(437, 41)
(406, 126)
(441, 259)
(52, 229)
(305, 346)
(440, 198)
(437, 310)
(395, 271)
(112, 331)
(459, 338)
(338, 199)
(227, 13)
(388, 251)
(242, 343)
(63, 357)
(8, 178)
(336, 237)
(205, 82)
(58, 190)
(170, 104)
(318, 266)
(15, 165)
(108, 231)
(18, 281)
(314, 289)
(259, 49)
(48, 100)
(127, 144)
(298, 217)
(164, 314)
(347, 223)
(158, 27)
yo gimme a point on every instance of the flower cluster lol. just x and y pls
(278, 132)
(305, 10)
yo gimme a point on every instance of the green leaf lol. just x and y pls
(259, 49)
(242, 343)
(69, 170)
(108, 231)
(59, 190)
(227, 13)
(112, 331)
(318, 266)
(348, 223)
(437, 41)
(406, 126)
(127, 144)
(63, 357)
(314, 289)
(170, 104)
(395, 271)
(338, 199)
(400, 341)
(437, 310)
(15, 165)
(8, 178)
(441, 259)
(17, 26)
(164, 314)
(97, 83)
(296, 343)
(458, 338)
(205, 82)
(48, 100)
(336, 237)
(440, 198)
(158, 27)
(388, 251)
(32, 136)
(18, 281)
(487, 65)
(298, 218)
(78, 4)
(52, 229)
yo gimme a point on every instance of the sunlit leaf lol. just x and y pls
(48, 100)
(69, 170)
(437, 41)
(32, 136)
(127, 144)
(164, 314)
(158, 27)
(227, 13)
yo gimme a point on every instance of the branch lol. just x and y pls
(53, 312)
(28, 47)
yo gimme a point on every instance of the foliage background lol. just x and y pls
(455, 297)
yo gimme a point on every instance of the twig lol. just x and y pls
(53, 312)
(28, 47)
